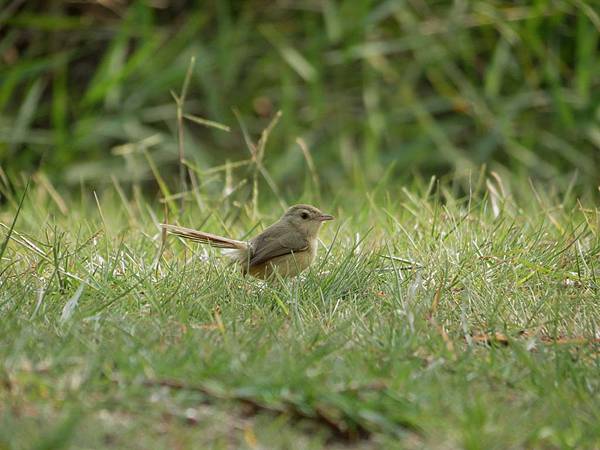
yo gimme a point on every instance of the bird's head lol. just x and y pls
(307, 218)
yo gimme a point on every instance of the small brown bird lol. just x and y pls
(287, 247)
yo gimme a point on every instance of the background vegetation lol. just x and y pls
(423, 86)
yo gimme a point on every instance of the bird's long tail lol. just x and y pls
(205, 238)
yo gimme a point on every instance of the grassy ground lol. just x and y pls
(461, 312)
(442, 315)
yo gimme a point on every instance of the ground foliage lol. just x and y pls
(432, 319)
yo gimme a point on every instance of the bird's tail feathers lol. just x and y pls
(205, 238)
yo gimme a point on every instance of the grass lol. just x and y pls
(451, 312)
(434, 86)
(457, 313)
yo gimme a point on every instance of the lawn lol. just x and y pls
(455, 300)
(452, 313)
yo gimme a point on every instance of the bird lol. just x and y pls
(287, 247)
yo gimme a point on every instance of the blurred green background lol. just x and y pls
(413, 86)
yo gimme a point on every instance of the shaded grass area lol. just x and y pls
(104, 344)
(432, 86)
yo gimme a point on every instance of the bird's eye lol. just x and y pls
(304, 215)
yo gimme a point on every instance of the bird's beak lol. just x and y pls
(325, 217)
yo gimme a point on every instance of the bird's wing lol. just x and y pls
(265, 248)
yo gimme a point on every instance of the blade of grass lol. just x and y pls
(14, 222)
